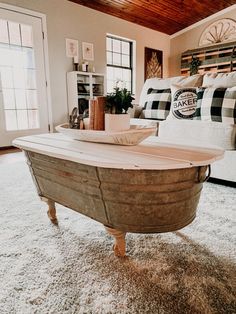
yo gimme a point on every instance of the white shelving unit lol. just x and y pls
(83, 86)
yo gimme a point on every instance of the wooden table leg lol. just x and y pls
(51, 210)
(119, 245)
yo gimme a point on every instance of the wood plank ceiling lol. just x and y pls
(167, 16)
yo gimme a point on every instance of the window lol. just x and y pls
(119, 63)
(18, 76)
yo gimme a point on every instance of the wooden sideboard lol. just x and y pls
(215, 58)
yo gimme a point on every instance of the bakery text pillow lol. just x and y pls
(183, 102)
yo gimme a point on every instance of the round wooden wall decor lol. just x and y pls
(219, 31)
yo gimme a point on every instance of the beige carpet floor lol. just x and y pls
(70, 268)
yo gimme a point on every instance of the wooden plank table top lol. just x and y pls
(152, 153)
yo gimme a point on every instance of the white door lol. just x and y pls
(23, 97)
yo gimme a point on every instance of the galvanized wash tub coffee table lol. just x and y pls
(148, 188)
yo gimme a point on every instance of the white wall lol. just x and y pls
(69, 20)
(189, 40)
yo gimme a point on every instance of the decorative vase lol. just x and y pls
(117, 122)
(86, 123)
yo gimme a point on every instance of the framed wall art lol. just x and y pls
(72, 48)
(87, 50)
(153, 63)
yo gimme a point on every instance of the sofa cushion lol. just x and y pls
(206, 133)
(219, 79)
(157, 104)
(225, 169)
(184, 102)
(216, 104)
(156, 83)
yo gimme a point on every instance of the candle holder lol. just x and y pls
(85, 66)
(75, 66)
(76, 63)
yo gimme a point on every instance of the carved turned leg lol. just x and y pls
(51, 210)
(119, 245)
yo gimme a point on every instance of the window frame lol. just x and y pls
(131, 57)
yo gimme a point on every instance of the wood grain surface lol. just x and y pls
(152, 153)
(166, 16)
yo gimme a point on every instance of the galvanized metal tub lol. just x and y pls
(151, 187)
(129, 200)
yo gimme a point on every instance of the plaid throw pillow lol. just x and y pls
(216, 104)
(158, 104)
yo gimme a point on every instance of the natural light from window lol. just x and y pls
(18, 76)
(119, 63)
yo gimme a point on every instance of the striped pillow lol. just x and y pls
(157, 105)
(216, 104)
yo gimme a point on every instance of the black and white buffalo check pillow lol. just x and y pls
(158, 104)
(216, 104)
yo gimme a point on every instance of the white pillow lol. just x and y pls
(219, 80)
(156, 83)
(183, 102)
(204, 132)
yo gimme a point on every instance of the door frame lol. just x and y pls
(42, 17)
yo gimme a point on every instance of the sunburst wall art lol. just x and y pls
(153, 63)
(218, 32)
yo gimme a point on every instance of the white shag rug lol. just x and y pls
(70, 268)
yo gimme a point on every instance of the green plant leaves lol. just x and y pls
(119, 101)
(193, 65)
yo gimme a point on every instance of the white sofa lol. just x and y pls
(214, 133)
(207, 133)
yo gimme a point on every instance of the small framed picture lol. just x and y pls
(88, 53)
(72, 48)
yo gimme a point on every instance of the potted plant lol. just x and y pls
(117, 104)
(194, 65)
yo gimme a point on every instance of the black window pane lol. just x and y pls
(119, 63)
